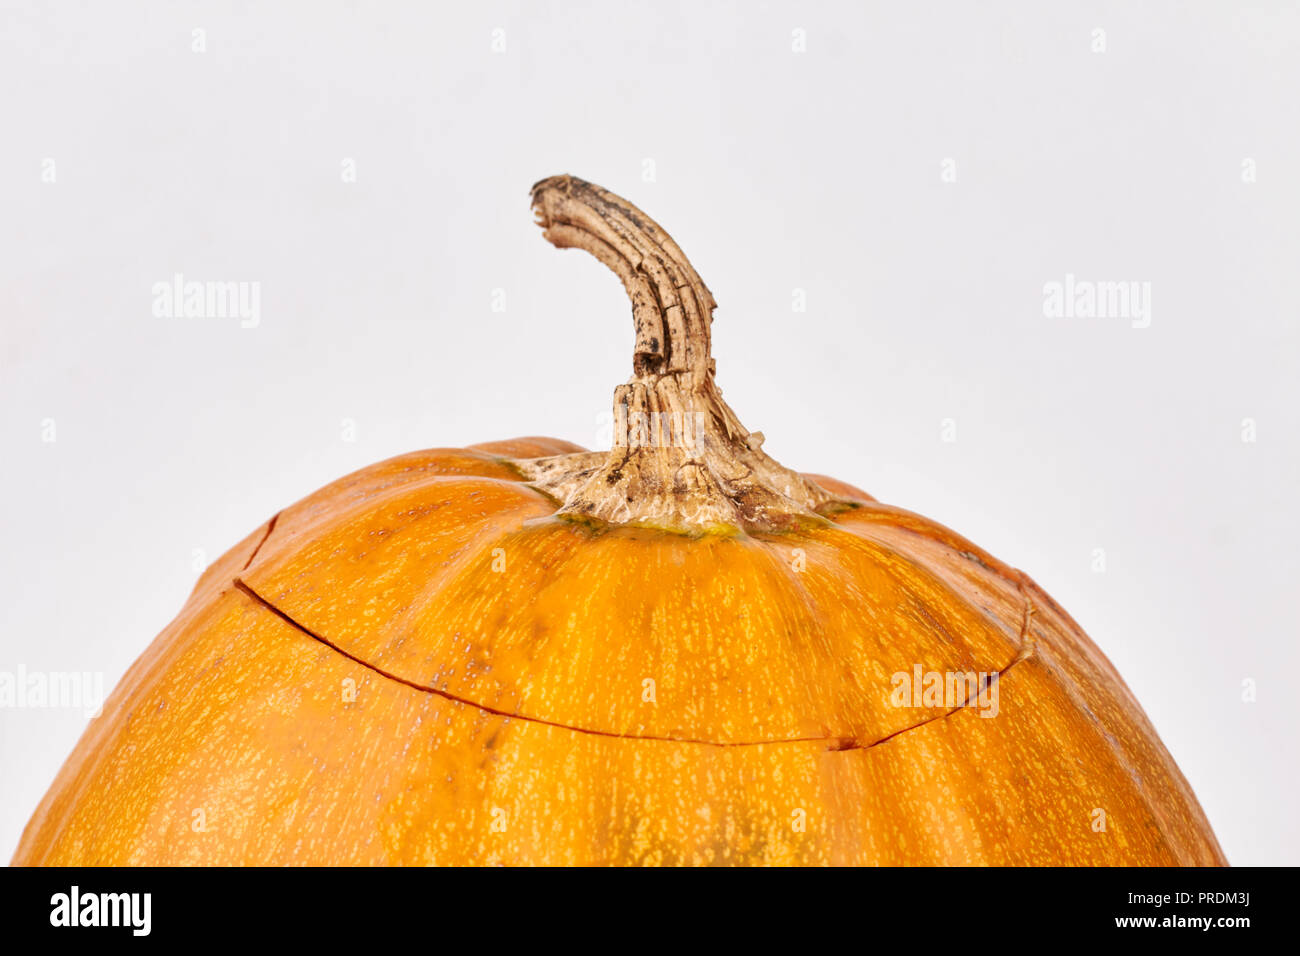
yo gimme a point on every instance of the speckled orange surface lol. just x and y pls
(420, 664)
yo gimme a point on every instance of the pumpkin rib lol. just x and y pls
(1123, 749)
(527, 446)
(897, 550)
(1008, 642)
(838, 744)
(429, 464)
(1027, 647)
(311, 526)
(860, 520)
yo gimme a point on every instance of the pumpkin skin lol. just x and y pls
(431, 662)
(771, 697)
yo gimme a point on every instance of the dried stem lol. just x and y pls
(681, 458)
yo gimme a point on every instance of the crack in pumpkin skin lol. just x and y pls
(746, 648)
(290, 774)
(836, 744)
(270, 528)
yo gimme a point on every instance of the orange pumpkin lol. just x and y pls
(674, 652)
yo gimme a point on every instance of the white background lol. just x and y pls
(775, 170)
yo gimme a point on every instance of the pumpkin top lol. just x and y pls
(681, 460)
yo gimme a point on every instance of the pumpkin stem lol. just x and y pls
(671, 306)
(681, 458)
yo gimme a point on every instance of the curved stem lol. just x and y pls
(681, 458)
(671, 306)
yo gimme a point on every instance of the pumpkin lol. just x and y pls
(677, 651)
